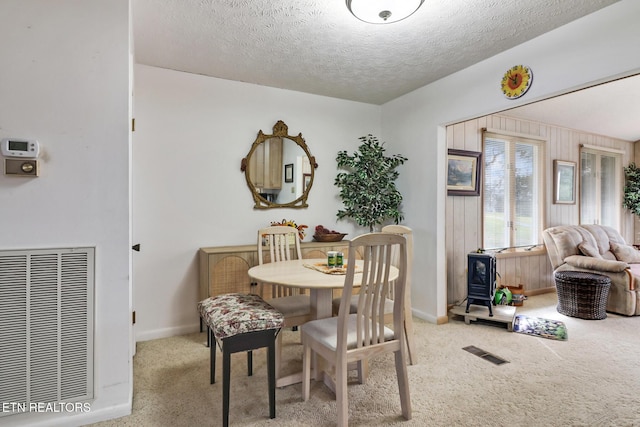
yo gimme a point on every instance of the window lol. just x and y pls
(600, 187)
(513, 191)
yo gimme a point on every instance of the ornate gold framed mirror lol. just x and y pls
(279, 169)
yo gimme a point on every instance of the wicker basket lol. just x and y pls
(582, 294)
(329, 237)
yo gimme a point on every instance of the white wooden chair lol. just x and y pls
(408, 319)
(283, 243)
(354, 337)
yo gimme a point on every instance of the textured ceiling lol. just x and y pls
(317, 46)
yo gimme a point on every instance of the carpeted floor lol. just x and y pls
(592, 379)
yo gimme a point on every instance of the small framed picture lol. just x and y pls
(564, 182)
(463, 172)
(306, 181)
(288, 172)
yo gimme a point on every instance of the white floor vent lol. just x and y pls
(46, 326)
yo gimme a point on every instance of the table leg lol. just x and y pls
(320, 309)
(321, 303)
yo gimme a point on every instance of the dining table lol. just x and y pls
(301, 274)
(307, 274)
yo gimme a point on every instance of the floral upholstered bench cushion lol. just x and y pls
(232, 314)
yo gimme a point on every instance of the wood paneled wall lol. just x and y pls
(464, 213)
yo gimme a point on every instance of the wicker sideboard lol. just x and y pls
(224, 269)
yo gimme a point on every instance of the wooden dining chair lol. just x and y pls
(353, 337)
(407, 232)
(408, 319)
(275, 244)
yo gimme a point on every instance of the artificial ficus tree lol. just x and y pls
(367, 188)
(631, 198)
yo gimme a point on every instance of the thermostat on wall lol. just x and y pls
(18, 147)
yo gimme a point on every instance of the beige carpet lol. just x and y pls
(593, 379)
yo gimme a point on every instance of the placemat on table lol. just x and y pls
(324, 268)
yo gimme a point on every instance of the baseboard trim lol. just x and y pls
(541, 291)
(442, 320)
(167, 332)
(424, 316)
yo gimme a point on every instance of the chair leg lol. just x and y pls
(208, 336)
(411, 345)
(212, 361)
(278, 355)
(249, 363)
(306, 371)
(342, 401)
(363, 370)
(403, 383)
(226, 379)
(271, 373)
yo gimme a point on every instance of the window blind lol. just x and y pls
(513, 190)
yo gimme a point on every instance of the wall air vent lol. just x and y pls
(46, 326)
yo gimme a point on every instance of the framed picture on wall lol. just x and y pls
(564, 182)
(288, 172)
(463, 172)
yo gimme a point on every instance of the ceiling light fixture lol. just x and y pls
(383, 11)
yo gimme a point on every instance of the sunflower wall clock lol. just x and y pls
(516, 81)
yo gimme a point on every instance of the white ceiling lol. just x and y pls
(611, 109)
(317, 46)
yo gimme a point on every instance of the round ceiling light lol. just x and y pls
(383, 11)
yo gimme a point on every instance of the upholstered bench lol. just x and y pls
(582, 294)
(241, 322)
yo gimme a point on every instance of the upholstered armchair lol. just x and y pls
(602, 250)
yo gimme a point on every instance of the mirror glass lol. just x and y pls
(279, 169)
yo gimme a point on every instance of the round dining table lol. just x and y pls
(301, 274)
(294, 274)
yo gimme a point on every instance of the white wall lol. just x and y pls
(64, 80)
(191, 134)
(197, 196)
(590, 50)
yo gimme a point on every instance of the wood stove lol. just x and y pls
(481, 280)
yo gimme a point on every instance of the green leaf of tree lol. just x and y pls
(631, 199)
(367, 187)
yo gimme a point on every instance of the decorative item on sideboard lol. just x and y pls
(323, 234)
(292, 223)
